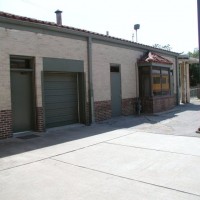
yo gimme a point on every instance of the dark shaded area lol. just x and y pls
(194, 74)
(29, 136)
(54, 136)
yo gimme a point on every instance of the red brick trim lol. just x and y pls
(128, 106)
(102, 110)
(87, 113)
(5, 124)
(158, 104)
(163, 104)
(40, 119)
(147, 105)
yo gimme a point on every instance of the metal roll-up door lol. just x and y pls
(61, 99)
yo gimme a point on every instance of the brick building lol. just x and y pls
(53, 75)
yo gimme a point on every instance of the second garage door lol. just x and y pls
(61, 99)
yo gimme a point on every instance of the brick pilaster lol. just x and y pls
(40, 127)
(5, 124)
(128, 106)
(102, 110)
(87, 114)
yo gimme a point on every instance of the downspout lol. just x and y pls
(177, 82)
(90, 82)
(137, 78)
(138, 100)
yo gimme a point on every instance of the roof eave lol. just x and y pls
(154, 63)
(83, 33)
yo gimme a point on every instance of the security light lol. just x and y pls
(136, 27)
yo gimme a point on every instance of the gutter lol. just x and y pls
(39, 27)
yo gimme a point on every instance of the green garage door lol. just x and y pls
(61, 99)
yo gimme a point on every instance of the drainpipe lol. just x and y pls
(90, 81)
(137, 78)
(138, 105)
(177, 82)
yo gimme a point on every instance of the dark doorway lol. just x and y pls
(22, 94)
(115, 78)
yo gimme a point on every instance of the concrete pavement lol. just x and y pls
(145, 157)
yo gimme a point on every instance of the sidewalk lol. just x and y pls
(141, 157)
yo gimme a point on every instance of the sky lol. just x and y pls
(163, 22)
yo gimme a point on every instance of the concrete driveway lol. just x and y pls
(141, 158)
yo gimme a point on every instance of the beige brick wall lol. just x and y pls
(38, 69)
(103, 56)
(14, 42)
(5, 93)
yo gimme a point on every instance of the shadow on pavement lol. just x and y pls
(70, 133)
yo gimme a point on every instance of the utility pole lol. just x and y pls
(198, 14)
(198, 17)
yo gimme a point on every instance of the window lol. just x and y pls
(160, 83)
(154, 81)
(19, 63)
(144, 76)
(114, 69)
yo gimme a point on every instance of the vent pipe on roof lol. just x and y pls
(107, 33)
(59, 17)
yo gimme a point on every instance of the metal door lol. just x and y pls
(22, 101)
(115, 93)
(61, 99)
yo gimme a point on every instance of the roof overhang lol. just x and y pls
(187, 59)
(23, 23)
(154, 59)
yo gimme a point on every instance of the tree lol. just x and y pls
(165, 47)
(194, 74)
(194, 69)
(194, 54)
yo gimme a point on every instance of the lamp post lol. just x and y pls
(198, 20)
(198, 17)
(136, 27)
